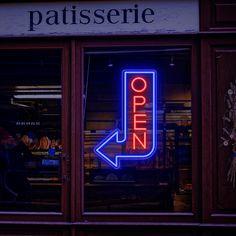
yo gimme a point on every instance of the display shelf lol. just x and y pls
(167, 173)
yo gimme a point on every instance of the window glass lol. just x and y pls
(162, 181)
(30, 130)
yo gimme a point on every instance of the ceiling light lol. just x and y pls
(37, 96)
(172, 61)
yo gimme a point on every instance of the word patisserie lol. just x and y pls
(73, 16)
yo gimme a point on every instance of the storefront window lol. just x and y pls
(115, 181)
(30, 130)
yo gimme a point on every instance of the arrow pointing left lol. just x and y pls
(137, 139)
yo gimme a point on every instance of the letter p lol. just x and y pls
(138, 101)
(35, 19)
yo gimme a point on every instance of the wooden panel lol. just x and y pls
(218, 70)
(217, 15)
(225, 64)
(142, 232)
(138, 234)
(225, 13)
(219, 232)
(36, 230)
(28, 234)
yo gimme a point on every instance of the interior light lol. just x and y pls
(19, 104)
(39, 87)
(172, 61)
(110, 64)
(37, 96)
(37, 91)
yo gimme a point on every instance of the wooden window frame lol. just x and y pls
(77, 134)
(64, 214)
(72, 128)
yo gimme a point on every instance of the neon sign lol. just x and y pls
(137, 136)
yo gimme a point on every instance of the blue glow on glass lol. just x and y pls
(120, 136)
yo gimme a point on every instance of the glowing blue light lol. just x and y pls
(120, 136)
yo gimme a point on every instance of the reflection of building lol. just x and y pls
(60, 69)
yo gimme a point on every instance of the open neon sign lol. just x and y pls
(137, 137)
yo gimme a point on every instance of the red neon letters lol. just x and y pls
(139, 119)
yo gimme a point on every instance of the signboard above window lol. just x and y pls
(99, 18)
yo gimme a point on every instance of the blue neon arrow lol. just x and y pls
(119, 137)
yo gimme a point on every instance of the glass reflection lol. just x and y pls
(30, 130)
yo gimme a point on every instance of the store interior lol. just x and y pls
(30, 130)
(162, 183)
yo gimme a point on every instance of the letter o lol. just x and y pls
(139, 90)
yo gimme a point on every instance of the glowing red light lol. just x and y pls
(142, 142)
(138, 101)
(137, 79)
(140, 119)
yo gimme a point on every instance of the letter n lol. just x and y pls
(142, 142)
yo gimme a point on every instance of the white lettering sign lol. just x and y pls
(99, 18)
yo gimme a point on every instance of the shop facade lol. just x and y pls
(118, 117)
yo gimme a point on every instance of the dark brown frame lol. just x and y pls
(77, 138)
(209, 47)
(72, 219)
(9, 217)
(211, 10)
